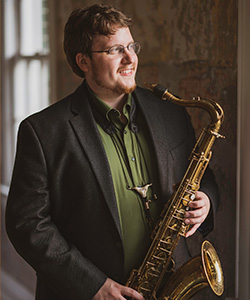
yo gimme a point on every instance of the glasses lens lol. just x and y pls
(119, 49)
(116, 50)
(136, 47)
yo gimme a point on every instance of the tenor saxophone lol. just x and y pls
(205, 269)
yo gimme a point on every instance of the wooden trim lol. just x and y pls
(243, 158)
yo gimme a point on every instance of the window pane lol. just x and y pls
(30, 88)
(33, 19)
(20, 90)
(45, 87)
(38, 86)
(9, 26)
(34, 88)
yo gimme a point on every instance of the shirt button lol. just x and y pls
(133, 158)
(115, 113)
(125, 131)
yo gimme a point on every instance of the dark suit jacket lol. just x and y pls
(62, 214)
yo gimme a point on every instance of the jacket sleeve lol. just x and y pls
(30, 226)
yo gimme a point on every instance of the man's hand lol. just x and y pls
(199, 209)
(112, 290)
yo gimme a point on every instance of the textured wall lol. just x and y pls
(191, 48)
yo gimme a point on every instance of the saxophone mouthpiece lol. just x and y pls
(150, 86)
(156, 89)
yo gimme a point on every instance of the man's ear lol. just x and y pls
(81, 60)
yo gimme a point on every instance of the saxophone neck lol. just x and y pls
(211, 106)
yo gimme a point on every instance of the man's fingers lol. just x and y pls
(112, 290)
(126, 291)
(192, 230)
(194, 213)
(197, 204)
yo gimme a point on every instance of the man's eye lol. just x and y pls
(115, 50)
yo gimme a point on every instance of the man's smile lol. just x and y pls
(126, 71)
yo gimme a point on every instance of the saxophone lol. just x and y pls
(205, 269)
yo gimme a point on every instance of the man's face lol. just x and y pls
(112, 76)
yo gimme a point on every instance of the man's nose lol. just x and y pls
(128, 56)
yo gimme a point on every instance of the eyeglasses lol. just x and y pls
(119, 50)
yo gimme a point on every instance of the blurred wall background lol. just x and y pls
(191, 47)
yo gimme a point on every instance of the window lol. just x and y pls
(25, 89)
(31, 67)
(26, 68)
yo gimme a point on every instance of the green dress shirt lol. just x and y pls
(131, 163)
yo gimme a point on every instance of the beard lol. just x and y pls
(117, 88)
(128, 90)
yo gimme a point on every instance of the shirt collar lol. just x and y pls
(104, 108)
(105, 114)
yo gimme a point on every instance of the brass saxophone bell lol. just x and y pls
(202, 271)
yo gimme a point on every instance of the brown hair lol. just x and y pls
(84, 24)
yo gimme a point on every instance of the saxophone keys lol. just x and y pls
(189, 197)
(192, 197)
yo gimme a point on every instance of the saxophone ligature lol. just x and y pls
(204, 270)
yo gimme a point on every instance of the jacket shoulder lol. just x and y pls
(59, 110)
(146, 96)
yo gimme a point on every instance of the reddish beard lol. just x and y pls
(128, 90)
(119, 88)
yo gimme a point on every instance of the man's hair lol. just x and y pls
(84, 24)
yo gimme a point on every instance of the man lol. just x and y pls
(75, 212)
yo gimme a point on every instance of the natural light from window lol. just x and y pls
(33, 24)
(31, 63)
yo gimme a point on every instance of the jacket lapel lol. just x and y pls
(151, 110)
(83, 124)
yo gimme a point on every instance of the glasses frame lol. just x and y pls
(129, 47)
